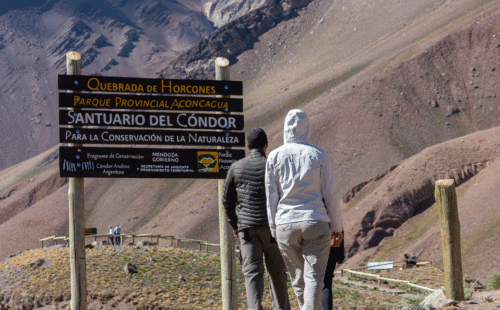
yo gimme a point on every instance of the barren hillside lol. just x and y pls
(382, 81)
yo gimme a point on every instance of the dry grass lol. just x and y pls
(168, 278)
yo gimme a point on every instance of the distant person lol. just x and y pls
(244, 200)
(111, 235)
(406, 259)
(304, 215)
(412, 262)
(117, 233)
(335, 258)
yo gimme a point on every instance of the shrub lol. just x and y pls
(493, 282)
(468, 292)
(414, 302)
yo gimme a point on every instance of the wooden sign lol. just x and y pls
(90, 231)
(148, 102)
(85, 162)
(172, 120)
(150, 136)
(141, 85)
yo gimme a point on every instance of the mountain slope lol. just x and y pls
(376, 92)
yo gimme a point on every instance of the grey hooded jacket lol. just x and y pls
(244, 197)
(299, 179)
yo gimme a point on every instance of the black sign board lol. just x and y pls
(148, 102)
(91, 162)
(141, 85)
(90, 231)
(173, 120)
(150, 136)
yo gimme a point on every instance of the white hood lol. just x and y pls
(297, 127)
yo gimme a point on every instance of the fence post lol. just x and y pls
(227, 243)
(76, 217)
(446, 198)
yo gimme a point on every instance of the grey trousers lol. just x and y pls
(256, 243)
(305, 248)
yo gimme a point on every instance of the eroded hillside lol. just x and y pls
(377, 94)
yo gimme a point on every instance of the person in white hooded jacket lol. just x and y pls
(302, 208)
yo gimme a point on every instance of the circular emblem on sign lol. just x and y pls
(207, 162)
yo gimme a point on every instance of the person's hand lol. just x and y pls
(336, 239)
(235, 233)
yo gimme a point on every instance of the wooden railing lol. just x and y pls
(399, 264)
(174, 242)
(380, 278)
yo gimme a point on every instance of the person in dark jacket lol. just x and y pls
(337, 255)
(244, 200)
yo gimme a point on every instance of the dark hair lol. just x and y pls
(257, 138)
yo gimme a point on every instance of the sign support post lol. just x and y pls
(446, 199)
(76, 217)
(227, 242)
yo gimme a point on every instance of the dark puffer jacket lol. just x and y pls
(244, 192)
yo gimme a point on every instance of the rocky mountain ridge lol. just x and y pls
(230, 40)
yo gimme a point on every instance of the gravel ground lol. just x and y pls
(482, 300)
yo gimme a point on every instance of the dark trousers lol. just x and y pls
(336, 255)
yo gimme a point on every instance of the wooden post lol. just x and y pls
(76, 217)
(227, 243)
(446, 198)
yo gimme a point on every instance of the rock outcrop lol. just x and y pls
(229, 41)
(222, 12)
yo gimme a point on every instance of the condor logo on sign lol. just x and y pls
(208, 162)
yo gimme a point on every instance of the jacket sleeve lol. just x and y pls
(230, 199)
(329, 193)
(272, 196)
